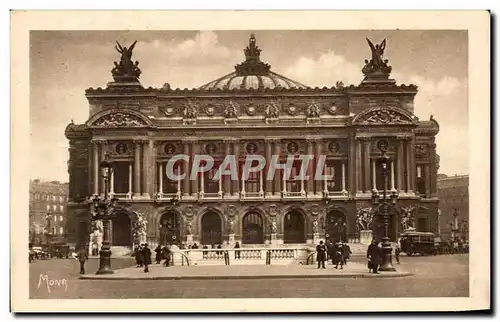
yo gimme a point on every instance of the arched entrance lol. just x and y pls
(294, 228)
(253, 229)
(170, 228)
(122, 230)
(335, 227)
(211, 229)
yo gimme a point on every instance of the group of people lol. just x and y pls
(163, 253)
(143, 256)
(338, 253)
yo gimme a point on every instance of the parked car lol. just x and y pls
(418, 242)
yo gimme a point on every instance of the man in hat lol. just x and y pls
(321, 254)
(374, 255)
(146, 252)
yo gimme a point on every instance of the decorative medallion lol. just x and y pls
(231, 211)
(120, 119)
(313, 110)
(292, 109)
(210, 110)
(190, 110)
(188, 211)
(273, 210)
(421, 151)
(211, 148)
(121, 148)
(231, 110)
(167, 110)
(251, 148)
(169, 149)
(251, 110)
(315, 209)
(332, 109)
(293, 148)
(272, 111)
(383, 145)
(334, 147)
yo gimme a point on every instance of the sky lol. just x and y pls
(65, 63)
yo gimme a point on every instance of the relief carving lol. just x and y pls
(120, 119)
(383, 116)
(364, 219)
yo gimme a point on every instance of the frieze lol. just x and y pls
(382, 116)
(120, 119)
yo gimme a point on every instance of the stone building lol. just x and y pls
(254, 110)
(453, 193)
(47, 207)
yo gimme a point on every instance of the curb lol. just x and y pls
(237, 277)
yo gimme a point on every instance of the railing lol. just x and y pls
(235, 256)
(354, 238)
(310, 258)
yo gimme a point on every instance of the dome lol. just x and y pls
(252, 74)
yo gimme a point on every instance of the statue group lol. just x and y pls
(126, 67)
(377, 63)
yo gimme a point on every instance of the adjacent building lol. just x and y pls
(254, 111)
(48, 209)
(453, 193)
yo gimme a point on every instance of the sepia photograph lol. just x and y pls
(214, 163)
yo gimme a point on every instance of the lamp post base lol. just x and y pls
(387, 256)
(104, 262)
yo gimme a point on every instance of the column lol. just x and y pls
(129, 195)
(187, 168)
(160, 179)
(359, 182)
(236, 183)
(195, 148)
(310, 181)
(179, 190)
(427, 181)
(227, 178)
(352, 164)
(112, 183)
(220, 185)
(101, 158)
(366, 164)
(343, 177)
(151, 180)
(137, 168)
(400, 167)
(374, 177)
(318, 183)
(392, 176)
(269, 183)
(261, 182)
(413, 164)
(145, 168)
(433, 170)
(95, 155)
(277, 179)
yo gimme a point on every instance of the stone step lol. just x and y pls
(121, 251)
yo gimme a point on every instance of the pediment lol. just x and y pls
(119, 119)
(384, 116)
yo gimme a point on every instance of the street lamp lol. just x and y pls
(383, 211)
(48, 232)
(102, 209)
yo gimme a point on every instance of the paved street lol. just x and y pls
(435, 276)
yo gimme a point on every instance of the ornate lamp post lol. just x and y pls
(48, 230)
(102, 209)
(383, 211)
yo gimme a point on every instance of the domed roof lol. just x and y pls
(252, 74)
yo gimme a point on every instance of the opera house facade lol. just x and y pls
(253, 111)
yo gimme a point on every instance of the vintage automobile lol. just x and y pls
(415, 242)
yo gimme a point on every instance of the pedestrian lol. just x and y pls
(146, 257)
(166, 255)
(321, 254)
(397, 251)
(82, 257)
(347, 252)
(158, 254)
(195, 246)
(219, 247)
(339, 258)
(374, 255)
(95, 251)
(139, 257)
(237, 253)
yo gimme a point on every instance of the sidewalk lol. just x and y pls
(206, 272)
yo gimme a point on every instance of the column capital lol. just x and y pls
(363, 138)
(272, 140)
(141, 141)
(313, 139)
(404, 137)
(98, 141)
(188, 141)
